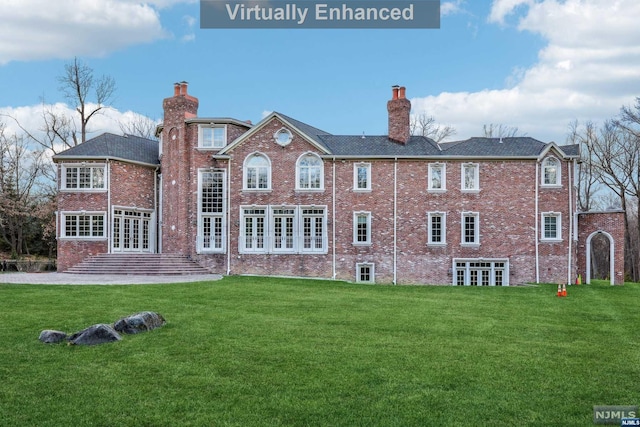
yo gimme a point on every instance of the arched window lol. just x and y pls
(309, 173)
(551, 171)
(257, 172)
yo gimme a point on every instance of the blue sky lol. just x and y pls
(532, 64)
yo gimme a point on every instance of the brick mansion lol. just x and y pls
(284, 198)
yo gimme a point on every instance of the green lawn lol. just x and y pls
(248, 351)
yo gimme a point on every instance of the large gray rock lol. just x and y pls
(96, 334)
(139, 322)
(50, 336)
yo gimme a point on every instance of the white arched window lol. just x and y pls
(309, 172)
(257, 172)
(551, 171)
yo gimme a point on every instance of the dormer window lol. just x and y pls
(212, 136)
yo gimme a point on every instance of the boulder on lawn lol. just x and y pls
(139, 322)
(96, 334)
(49, 336)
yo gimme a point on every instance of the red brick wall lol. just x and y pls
(129, 185)
(612, 223)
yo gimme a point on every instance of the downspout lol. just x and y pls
(570, 260)
(536, 222)
(229, 217)
(333, 222)
(160, 226)
(109, 213)
(395, 221)
(155, 205)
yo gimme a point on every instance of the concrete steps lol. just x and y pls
(138, 264)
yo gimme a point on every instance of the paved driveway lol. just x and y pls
(98, 279)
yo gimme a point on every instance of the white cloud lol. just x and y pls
(588, 69)
(45, 29)
(31, 118)
(451, 7)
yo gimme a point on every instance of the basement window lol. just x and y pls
(365, 272)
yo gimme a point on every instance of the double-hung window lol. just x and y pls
(362, 177)
(212, 136)
(437, 177)
(362, 228)
(470, 228)
(84, 178)
(551, 226)
(437, 230)
(257, 172)
(470, 177)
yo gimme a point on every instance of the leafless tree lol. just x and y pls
(587, 174)
(614, 156)
(424, 125)
(140, 126)
(493, 130)
(78, 84)
(87, 94)
(23, 186)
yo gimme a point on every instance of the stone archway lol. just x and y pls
(600, 233)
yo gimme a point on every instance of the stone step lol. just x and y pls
(138, 264)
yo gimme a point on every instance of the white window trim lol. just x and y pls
(455, 268)
(269, 230)
(558, 182)
(356, 166)
(356, 215)
(325, 234)
(430, 241)
(430, 176)
(476, 177)
(63, 177)
(199, 243)
(213, 147)
(245, 169)
(298, 188)
(63, 225)
(558, 217)
(476, 215)
(372, 274)
(272, 232)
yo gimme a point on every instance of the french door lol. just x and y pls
(132, 231)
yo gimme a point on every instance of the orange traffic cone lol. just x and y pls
(559, 290)
(564, 290)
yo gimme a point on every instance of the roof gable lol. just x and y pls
(309, 133)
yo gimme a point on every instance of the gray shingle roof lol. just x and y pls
(522, 146)
(354, 145)
(108, 145)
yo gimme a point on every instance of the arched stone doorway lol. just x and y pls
(599, 239)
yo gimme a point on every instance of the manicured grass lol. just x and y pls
(247, 351)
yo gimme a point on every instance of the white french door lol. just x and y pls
(132, 231)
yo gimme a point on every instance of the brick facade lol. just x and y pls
(610, 224)
(509, 206)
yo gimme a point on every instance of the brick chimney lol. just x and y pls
(181, 105)
(399, 108)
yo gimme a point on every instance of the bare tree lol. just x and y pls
(493, 130)
(587, 174)
(22, 185)
(615, 160)
(140, 126)
(423, 125)
(78, 84)
(87, 94)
